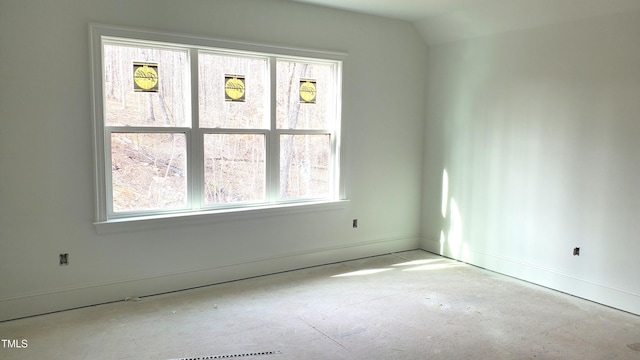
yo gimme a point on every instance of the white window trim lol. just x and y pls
(105, 223)
(216, 216)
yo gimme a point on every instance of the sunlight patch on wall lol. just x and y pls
(445, 193)
(455, 230)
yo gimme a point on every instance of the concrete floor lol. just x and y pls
(409, 305)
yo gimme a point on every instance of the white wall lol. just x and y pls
(539, 132)
(46, 166)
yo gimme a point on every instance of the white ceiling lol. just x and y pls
(449, 20)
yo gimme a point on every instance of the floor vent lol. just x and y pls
(230, 356)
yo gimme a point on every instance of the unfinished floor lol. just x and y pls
(409, 305)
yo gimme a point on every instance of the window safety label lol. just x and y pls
(234, 88)
(145, 77)
(307, 91)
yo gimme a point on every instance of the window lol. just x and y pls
(187, 124)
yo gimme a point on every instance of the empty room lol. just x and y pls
(319, 179)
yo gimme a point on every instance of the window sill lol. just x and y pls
(216, 216)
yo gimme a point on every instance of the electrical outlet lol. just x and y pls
(64, 259)
(355, 223)
(576, 251)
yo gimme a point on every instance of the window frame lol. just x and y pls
(195, 198)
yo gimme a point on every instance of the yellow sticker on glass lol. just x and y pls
(234, 88)
(307, 91)
(145, 77)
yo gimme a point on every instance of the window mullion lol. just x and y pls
(195, 156)
(273, 141)
(108, 172)
(336, 134)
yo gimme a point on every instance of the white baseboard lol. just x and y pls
(583, 288)
(91, 294)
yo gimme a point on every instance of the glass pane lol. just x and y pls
(233, 92)
(148, 171)
(304, 166)
(234, 168)
(306, 95)
(159, 97)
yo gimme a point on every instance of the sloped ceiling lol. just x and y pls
(441, 21)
